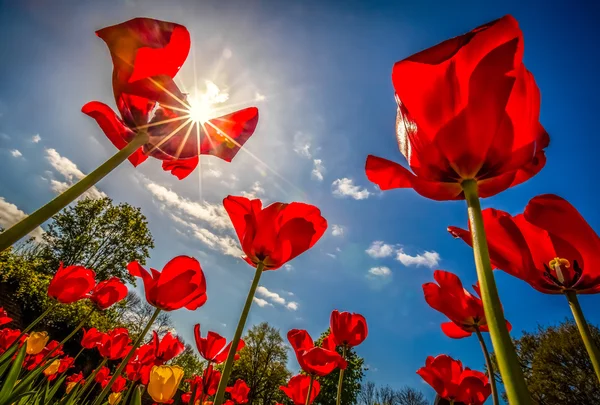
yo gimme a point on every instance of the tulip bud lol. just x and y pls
(114, 398)
(36, 342)
(52, 369)
(164, 381)
(70, 386)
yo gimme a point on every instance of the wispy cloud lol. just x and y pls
(346, 188)
(16, 153)
(288, 267)
(337, 230)
(318, 170)
(262, 303)
(381, 271)
(10, 214)
(302, 145)
(71, 174)
(259, 97)
(221, 243)
(379, 249)
(256, 191)
(427, 259)
(275, 298)
(36, 138)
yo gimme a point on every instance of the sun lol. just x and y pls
(200, 110)
(203, 105)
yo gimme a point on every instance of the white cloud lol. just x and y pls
(275, 298)
(331, 255)
(337, 230)
(255, 191)
(71, 174)
(10, 214)
(379, 249)
(381, 271)
(16, 153)
(345, 188)
(221, 243)
(427, 259)
(302, 145)
(212, 172)
(262, 303)
(259, 97)
(288, 267)
(318, 169)
(214, 214)
(36, 138)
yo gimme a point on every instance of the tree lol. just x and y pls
(557, 367)
(410, 396)
(99, 235)
(263, 365)
(370, 394)
(190, 362)
(134, 312)
(353, 376)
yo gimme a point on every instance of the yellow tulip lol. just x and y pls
(36, 342)
(53, 368)
(114, 398)
(164, 381)
(70, 386)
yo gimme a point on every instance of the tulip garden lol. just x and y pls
(468, 127)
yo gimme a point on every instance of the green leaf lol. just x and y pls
(26, 382)
(136, 399)
(12, 376)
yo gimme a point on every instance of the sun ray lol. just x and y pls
(167, 137)
(154, 124)
(185, 138)
(163, 88)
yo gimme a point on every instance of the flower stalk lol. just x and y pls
(584, 331)
(237, 336)
(310, 385)
(29, 223)
(490, 367)
(341, 379)
(508, 362)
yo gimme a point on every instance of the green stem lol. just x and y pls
(236, 337)
(584, 331)
(310, 385)
(124, 362)
(73, 332)
(29, 223)
(490, 367)
(89, 381)
(508, 362)
(341, 379)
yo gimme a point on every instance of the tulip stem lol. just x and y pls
(584, 331)
(508, 362)
(341, 379)
(89, 383)
(310, 385)
(29, 223)
(490, 367)
(73, 332)
(237, 336)
(124, 362)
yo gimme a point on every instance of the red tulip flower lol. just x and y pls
(166, 348)
(4, 318)
(276, 234)
(109, 292)
(239, 392)
(297, 389)
(203, 386)
(180, 284)
(75, 378)
(348, 329)
(316, 361)
(91, 338)
(214, 348)
(71, 284)
(119, 384)
(115, 344)
(140, 365)
(35, 360)
(8, 337)
(464, 310)
(550, 246)
(147, 54)
(453, 382)
(102, 377)
(468, 109)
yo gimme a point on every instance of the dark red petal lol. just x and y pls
(180, 168)
(454, 331)
(226, 135)
(238, 208)
(114, 129)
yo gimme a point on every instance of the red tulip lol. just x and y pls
(453, 382)
(214, 347)
(467, 109)
(66, 363)
(147, 54)
(166, 349)
(74, 379)
(276, 234)
(550, 246)
(203, 386)
(348, 329)
(297, 389)
(317, 361)
(4, 318)
(119, 384)
(115, 344)
(8, 337)
(239, 392)
(34, 360)
(109, 292)
(180, 284)
(464, 310)
(103, 376)
(141, 363)
(92, 338)
(71, 284)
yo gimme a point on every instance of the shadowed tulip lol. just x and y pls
(297, 389)
(107, 293)
(214, 347)
(316, 361)
(36, 342)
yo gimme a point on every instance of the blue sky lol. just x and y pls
(320, 74)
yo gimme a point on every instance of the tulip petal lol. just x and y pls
(454, 331)
(180, 168)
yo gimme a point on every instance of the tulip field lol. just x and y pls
(467, 127)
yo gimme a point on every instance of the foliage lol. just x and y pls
(262, 364)
(99, 235)
(135, 312)
(191, 364)
(370, 394)
(353, 376)
(557, 367)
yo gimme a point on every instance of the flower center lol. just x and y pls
(557, 263)
(560, 272)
